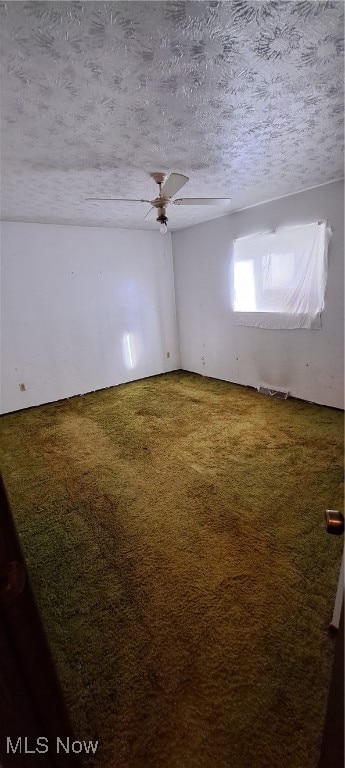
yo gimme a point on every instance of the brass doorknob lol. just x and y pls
(334, 521)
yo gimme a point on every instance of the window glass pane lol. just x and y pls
(244, 287)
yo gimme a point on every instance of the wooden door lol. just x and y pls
(33, 715)
(332, 748)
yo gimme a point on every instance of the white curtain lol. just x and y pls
(280, 278)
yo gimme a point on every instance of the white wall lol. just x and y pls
(70, 296)
(308, 363)
(80, 306)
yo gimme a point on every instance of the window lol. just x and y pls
(280, 278)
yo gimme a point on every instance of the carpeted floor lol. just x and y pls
(173, 529)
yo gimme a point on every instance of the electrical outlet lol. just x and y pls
(22, 387)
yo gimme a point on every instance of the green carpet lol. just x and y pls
(173, 529)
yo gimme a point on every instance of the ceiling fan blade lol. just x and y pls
(150, 213)
(202, 201)
(172, 185)
(117, 199)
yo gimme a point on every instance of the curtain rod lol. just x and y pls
(280, 229)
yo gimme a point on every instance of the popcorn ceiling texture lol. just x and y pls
(246, 98)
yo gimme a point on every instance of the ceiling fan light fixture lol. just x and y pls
(163, 222)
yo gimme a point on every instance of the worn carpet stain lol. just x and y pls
(173, 529)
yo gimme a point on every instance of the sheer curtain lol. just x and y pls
(280, 278)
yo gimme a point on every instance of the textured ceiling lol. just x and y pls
(245, 98)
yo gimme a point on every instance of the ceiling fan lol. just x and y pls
(170, 187)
